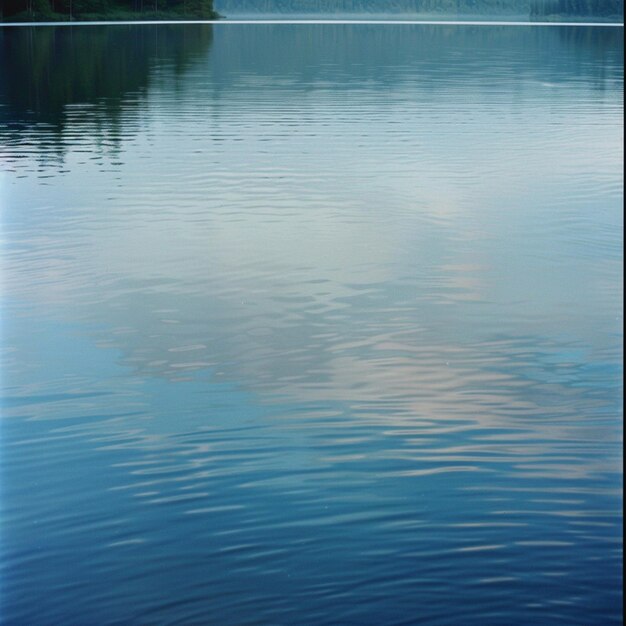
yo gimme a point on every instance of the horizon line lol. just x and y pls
(389, 22)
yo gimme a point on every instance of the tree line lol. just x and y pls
(110, 9)
(138, 9)
(532, 8)
(495, 7)
(577, 8)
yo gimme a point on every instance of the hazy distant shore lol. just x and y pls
(418, 17)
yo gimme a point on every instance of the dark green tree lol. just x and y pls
(101, 9)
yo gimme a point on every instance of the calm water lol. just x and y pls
(311, 325)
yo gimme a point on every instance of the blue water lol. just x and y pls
(311, 324)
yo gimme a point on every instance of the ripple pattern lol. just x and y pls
(311, 324)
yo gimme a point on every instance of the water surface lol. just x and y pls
(311, 324)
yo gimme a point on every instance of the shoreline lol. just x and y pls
(390, 22)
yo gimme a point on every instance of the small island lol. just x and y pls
(105, 10)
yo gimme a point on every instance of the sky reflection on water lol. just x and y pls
(312, 324)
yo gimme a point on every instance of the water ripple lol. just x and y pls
(312, 324)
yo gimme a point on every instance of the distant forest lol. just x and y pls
(577, 8)
(27, 10)
(532, 8)
(495, 7)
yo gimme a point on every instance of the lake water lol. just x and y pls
(311, 324)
